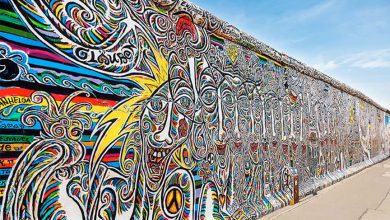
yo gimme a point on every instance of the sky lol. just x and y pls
(348, 40)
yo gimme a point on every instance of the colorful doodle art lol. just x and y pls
(158, 110)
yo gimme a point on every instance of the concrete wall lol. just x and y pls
(158, 110)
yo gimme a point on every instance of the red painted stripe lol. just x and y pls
(8, 158)
(6, 164)
(106, 158)
(50, 191)
(39, 53)
(27, 93)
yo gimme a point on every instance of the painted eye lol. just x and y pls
(209, 97)
(75, 132)
(228, 99)
(157, 104)
(185, 102)
(210, 158)
(64, 122)
(244, 104)
(257, 104)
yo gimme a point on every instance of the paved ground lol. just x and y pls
(364, 196)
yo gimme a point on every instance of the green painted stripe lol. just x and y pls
(9, 13)
(16, 20)
(14, 116)
(217, 39)
(39, 25)
(53, 40)
(17, 32)
(87, 138)
(16, 139)
(10, 19)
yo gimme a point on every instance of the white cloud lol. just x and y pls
(326, 66)
(321, 62)
(368, 59)
(309, 13)
(371, 59)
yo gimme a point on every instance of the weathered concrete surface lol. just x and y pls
(365, 195)
(132, 110)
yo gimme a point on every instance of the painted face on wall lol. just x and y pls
(205, 132)
(166, 123)
(208, 97)
(243, 108)
(226, 117)
(227, 107)
(256, 118)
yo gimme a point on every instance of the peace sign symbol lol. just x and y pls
(173, 201)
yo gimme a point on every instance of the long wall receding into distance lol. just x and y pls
(136, 109)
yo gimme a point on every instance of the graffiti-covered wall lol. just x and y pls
(158, 110)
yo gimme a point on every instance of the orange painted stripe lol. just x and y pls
(7, 162)
(9, 147)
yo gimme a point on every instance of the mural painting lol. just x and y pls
(150, 110)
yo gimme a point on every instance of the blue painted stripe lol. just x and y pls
(116, 147)
(76, 69)
(81, 71)
(113, 164)
(33, 15)
(45, 63)
(6, 171)
(23, 40)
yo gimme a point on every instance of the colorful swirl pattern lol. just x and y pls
(139, 109)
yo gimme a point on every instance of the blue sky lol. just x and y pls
(346, 39)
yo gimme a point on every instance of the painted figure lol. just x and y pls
(150, 109)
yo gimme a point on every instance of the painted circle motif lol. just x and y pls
(174, 201)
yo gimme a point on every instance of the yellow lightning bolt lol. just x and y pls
(122, 118)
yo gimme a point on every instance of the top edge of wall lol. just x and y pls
(207, 20)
